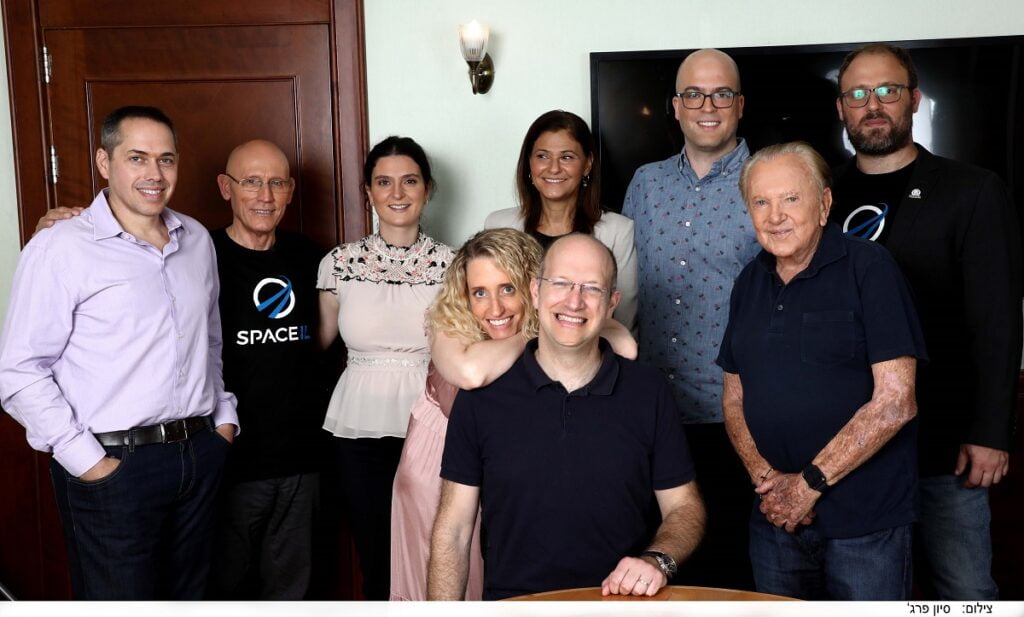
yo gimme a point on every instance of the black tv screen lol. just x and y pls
(971, 99)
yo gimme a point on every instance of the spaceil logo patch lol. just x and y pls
(275, 298)
(867, 221)
(279, 305)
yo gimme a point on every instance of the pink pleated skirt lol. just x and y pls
(416, 493)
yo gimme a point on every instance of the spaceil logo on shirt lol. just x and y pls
(867, 221)
(277, 305)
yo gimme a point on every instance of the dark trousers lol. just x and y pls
(803, 564)
(263, 548)
(144, 532)
(723, 557)
(367, 469)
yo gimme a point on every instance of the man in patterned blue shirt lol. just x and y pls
(693, 236)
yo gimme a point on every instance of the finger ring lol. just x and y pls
(643, 581)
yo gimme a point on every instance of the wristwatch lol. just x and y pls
(665, 563)
(814, 478)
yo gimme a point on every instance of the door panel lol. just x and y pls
(222, 86)
(225, 72)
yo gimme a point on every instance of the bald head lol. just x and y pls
(257, 181)
(708, 106)
(594, 249)
(704, 59)
(257, 149)
(574, 295)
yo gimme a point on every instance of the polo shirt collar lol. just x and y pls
(731, 162)
(830, 249)
(106, 226)
(603, 383)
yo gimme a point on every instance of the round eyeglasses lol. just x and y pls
(561, 288)
(254, 184)
(858, 97)
(720, 99)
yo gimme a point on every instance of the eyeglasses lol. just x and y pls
(720, 99)
(562, 288)
(253, 184)
(858, 97)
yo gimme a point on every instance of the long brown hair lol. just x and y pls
(588, 197)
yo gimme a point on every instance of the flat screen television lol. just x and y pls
(970, 110)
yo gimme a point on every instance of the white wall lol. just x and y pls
(9, 243)
(418, 85)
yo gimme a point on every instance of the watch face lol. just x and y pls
(665, 562)
(814, 478)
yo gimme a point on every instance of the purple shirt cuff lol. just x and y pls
(226, 413)
(80, 454)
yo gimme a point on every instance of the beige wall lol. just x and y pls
(9, 244)
(418, 85)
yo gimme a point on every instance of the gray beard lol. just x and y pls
(877, 143)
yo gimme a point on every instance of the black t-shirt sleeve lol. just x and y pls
(725, 357)
(671, 465)
(461, 460)
(891, 326)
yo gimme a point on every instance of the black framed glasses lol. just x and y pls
(720, 99)
(254, 184)
(858, 97)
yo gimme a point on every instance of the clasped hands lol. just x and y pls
(787, 501)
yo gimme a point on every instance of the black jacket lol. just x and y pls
(955, 236)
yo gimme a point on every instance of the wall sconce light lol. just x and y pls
(473, 41)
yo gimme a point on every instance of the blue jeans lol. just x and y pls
(144, 532)
(954, 535)
(876, 566)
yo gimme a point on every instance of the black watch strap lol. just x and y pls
(665, 563)
(814, 478)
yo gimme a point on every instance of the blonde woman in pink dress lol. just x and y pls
(479, 325)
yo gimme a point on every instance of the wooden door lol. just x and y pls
(222, 86)
(225, 72)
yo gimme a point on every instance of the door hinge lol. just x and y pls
(54, 166)
(47, 65)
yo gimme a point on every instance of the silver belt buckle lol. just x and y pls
(178, 433)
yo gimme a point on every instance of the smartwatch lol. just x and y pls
(665, 563)
(814, 478)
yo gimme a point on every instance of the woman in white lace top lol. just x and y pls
(374, 293)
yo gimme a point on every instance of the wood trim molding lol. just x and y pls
(132, 14)
(350, 130)
(30, 133)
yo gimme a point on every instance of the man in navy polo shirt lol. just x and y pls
(573, 455)
(819, 358)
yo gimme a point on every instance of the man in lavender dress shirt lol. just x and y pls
(110, 359)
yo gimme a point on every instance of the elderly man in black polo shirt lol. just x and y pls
(819, 358)
(567, 453)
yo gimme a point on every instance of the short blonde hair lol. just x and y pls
(515, 252)
(813, 162)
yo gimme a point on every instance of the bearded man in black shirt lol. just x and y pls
(953, 231)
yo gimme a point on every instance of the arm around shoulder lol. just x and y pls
(476, 364)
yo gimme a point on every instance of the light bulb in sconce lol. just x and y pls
(473, 42)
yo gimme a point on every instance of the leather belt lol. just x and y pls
(168, 432)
